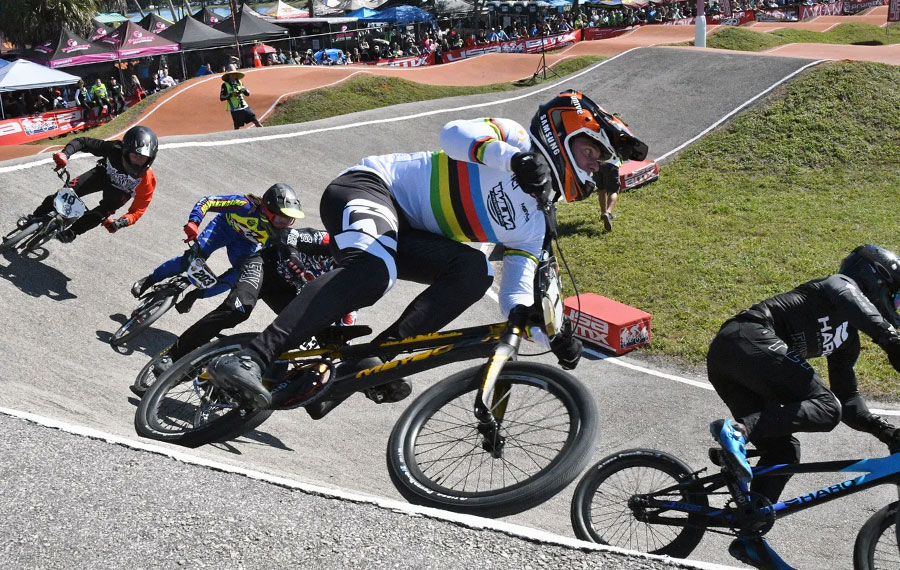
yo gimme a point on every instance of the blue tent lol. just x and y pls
(361, 13)
(402, 14)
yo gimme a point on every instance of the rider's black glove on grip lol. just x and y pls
(532, 172)
(566, 347)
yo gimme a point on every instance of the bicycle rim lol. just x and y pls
(602, 510)
(877, 545)
(437, 454)
(12, 242)
(141, 318)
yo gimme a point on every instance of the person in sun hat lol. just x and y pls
(233, 93)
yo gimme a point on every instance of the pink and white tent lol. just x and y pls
(130, 40)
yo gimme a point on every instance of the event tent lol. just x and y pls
(357, 4)
(111, 18)
(22, 74)
(130, 40)
(191, 34)
(208, 17)
(284, 11)
(155, 23)
(99, 31)
(403, 14)
(251, 27)
(67, 49)
(361, 13)
(453, 7)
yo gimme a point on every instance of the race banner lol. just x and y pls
(526, 45)
(411, 61)
(50, 124)
(590, 34)
(894, 11)
(787, 15)
(736, 19)
(857, 6)
(835, 9)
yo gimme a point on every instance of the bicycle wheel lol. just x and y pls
(10, 243)
(876, 546)
(146, 377)
(601, 509)
(145, 315)
(436, 455)
(183, 408)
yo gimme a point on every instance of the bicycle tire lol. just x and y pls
(145, 377)
(143, 317)
(14, 240)
(658, 470)
(163, 416)
(876, 546)
(524, 479)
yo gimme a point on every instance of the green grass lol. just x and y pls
(745, 39)
(109, 129)
(776, 198)
(368, 92)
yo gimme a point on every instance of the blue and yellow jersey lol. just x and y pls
(241, 214)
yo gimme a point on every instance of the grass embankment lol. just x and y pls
(745, 39)
(106, 130)
(368, 92)
(776, 198)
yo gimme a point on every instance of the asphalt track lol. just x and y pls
(59, 312)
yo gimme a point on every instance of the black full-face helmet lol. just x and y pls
(877, 272)
(572, 114)
(281, 206)
(142, 142)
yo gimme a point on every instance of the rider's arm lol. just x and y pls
(97, 147)
(224, 94)
(232, 204)
(517, 279)
(863, 315)
(309, 241)
(489, 141)
(143, 194)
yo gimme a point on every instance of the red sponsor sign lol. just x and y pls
(50, 124)
(822, 10)
(607, 323)
(894, 11)
(527, 45)
(412, 61)
(736, 19)
(590, 34)
(633, 173)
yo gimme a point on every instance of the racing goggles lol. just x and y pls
(895, 300)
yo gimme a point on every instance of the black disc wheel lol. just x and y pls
(607, 506)
(437, 456)
(183, 407)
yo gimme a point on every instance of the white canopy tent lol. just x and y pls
(22, 74)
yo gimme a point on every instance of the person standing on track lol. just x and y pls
(233, 93)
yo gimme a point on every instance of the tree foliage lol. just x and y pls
(31, 22)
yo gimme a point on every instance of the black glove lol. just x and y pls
(532, 172)
(566, 347)
(185, 304)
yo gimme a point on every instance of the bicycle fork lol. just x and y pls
(493, 396)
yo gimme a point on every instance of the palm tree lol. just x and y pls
(30, 22)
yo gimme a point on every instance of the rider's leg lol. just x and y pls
(768, 388)
(234, 310)
(458, 276)
(214, 236)
(756, 552)
(111, 201)
(775, 451)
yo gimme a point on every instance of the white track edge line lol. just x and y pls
(468, 521)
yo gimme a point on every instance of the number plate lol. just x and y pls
(200, 275)
(68, 204)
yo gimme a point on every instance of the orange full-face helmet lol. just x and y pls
(571, 114)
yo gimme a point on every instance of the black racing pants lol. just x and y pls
(375, 246)
(88, 183)
(771, 390)
(256, 280)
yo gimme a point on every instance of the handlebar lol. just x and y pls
(63, 174)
